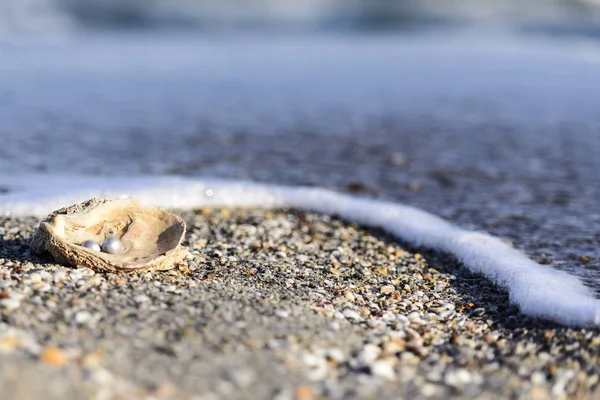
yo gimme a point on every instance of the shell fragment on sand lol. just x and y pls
(134, 237)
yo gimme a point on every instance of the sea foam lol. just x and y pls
(538, 290)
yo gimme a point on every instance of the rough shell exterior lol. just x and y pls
(151, 236)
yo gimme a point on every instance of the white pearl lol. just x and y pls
(91, 244)
(112, 245)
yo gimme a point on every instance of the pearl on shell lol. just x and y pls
(112, 245)
(92, 245)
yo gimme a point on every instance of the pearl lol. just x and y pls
(112, 245)
(91, 244)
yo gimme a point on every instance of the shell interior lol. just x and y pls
(146, 232)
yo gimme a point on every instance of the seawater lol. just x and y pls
(124, 103)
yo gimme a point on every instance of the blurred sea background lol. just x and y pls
(483, 112)
(71, 16)
(119, 85)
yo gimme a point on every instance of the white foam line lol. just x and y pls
(538, 290)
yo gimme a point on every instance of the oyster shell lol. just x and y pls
(151, 236)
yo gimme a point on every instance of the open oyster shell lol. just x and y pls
(151, 236)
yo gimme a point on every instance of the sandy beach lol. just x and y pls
(278, 304)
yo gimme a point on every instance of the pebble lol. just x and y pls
(393, 346)
(6, 284)
(304, 392)
(53, 356)
(369, 354)
(351, 314)
(414, 316)
(10, 303)
(95, 281)
(282, 313)
(447, 314)
(317, 367)
(387, 289)
(457, 378)
(302, 258)
(59, 276)
(383, 369)
(83, 317)
(141, 298)
(336, 354)
(242, 378)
